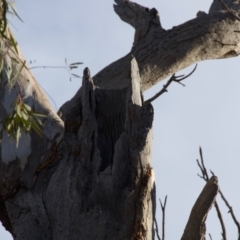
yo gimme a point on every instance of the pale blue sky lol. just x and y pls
(205, 112)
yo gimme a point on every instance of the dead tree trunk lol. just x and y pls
(90, 175)
(98, 182)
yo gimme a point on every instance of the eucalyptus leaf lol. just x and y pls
(75, 75)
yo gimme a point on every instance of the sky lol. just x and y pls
(203, 113)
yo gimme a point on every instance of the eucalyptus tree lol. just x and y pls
(86, 172)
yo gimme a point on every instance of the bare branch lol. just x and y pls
(230, 211)
(206, 178)
(210, 236)
(156, 229)
(195, 228)
(163, 207)
(173, 78)
(233, 13)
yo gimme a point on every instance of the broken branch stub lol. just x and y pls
(195, 228)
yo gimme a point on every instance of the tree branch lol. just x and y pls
(161, 53)
(156, 229)
(195, 228)
(173, 78)
(230, 210)
(206, 178)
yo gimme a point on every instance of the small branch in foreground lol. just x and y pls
(195, 228)
(163, 207)
(210, 236)
(206, 178)
(230, 211)
(173, 78)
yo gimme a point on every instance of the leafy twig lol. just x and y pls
(233, 13)
(156, 229)
(67, 67)
(163, 207)
(210, 236)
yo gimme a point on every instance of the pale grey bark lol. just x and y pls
(101, 183)
(196, 226)
(90, 175)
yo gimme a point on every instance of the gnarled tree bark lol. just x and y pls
(90, 175)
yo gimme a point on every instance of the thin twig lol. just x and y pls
(156, 229)
(48, 67)
(206, 178)
(163, 207)
(173, 78)
(68, 68)
(202, 167)
(230, 210)
(221, 220)
(233, 13)
(210, 236)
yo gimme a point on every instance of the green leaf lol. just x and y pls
(36, 128)
(19, 110)
(72, 67)
(26, 124)
(14, 10)
(1, 65)
(38, 114)
(38, 121)
(25, 116)
(76, 63)
(27, 107)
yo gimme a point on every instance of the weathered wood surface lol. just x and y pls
(161, 53)
(196, 226)
(101, 183)
(90, 175)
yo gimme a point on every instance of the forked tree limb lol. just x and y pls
(156, 229)
(205, 177)
(163, 207)
(174, 78)
(195, 228)
(161, 53)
